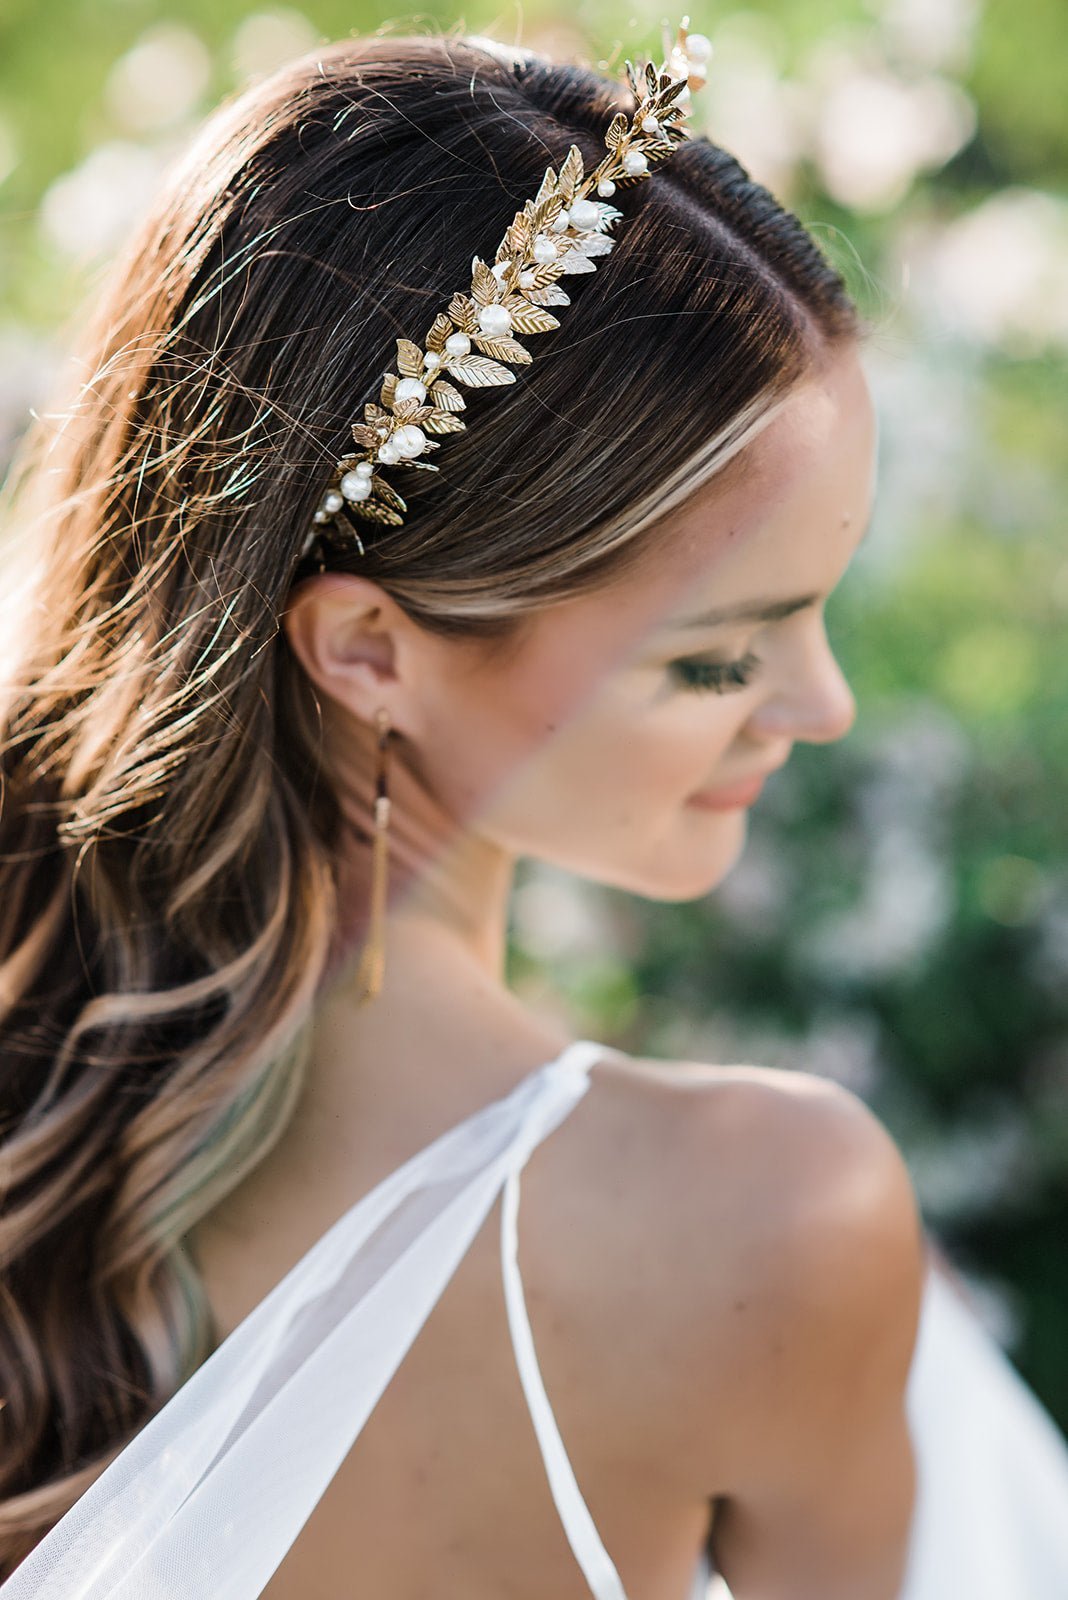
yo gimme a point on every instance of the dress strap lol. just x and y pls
(597, 1566)
(211, 1492)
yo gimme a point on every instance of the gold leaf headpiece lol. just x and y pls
(559, 231)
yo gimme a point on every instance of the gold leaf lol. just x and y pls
(533, 319)
(577, 261)
(671, 93)
(484, 286)
(373, 511)
(386, 494)
(368, 438)
(545, 189)
(504, 350)
(616, 129)
(595, 244)
(444, 422)
(462, 312)
(570, 174)
(410, 410)
(409, 358)
(373, 413)
(544, 272)
(444, 395)
(479, 372)
(439, 332)
(545, 213)
(389, 387)
(650, 77)
(517, 240)
(551, 295)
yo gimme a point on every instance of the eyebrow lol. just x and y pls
(756, 610)
(748, 611)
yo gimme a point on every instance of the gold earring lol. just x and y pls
(373, 957)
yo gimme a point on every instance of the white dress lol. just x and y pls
(211, 1493)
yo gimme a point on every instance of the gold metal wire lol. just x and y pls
(371, 969)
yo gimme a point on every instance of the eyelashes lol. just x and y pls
(721, 676)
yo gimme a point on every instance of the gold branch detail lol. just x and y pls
(561, 231)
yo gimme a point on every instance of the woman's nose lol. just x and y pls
(811, 699)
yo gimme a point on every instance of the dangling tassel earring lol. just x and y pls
(373, 957)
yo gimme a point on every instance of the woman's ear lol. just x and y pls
(342, 630)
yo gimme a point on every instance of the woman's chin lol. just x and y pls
(699, 866)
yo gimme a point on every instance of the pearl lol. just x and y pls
(527, 279)
(560, 221)
(457, 344)
(650, 124)
(387, 453)
(500, 271)
(410, 389)
(494, 319)
(545, 248)
(332, 501)
(321, 516)
(409, 440)
(432, 360)
(585, 215)
(364, 469)
(605, 187)
(698, 47)
(354, 486)
(635, 161)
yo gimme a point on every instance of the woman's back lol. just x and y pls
(647, 1229)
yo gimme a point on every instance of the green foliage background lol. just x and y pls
(899, 920)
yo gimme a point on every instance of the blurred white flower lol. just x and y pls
(922, 758)
(876, 131)
(87, 211)
(1047, 962)
(999, 273)
(268, 39)
(904, 908)
(556, 915)
(160, 80)
(978, 1167)
(755, 890)
(843, 1045)
(931, 33)
(753, 110)
(929, 434)
(27, 363)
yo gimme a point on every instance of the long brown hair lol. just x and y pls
(166, 832)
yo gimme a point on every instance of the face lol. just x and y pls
(589, 749)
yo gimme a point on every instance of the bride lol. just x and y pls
(278, 722)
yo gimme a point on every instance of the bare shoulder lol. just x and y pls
(761, 1226)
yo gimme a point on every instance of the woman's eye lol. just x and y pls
(722, 676)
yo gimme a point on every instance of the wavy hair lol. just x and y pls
(167, 828)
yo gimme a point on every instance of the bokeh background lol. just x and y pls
(899, 919)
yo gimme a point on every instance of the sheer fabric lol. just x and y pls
(212, 1492)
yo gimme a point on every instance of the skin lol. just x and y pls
(583, 749)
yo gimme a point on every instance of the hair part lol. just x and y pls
(167, 831)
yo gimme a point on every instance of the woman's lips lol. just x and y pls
(728, 799)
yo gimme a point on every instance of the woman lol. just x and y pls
(255, 1130)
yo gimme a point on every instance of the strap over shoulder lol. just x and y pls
(211, 1493)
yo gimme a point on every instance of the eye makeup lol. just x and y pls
(695, 672)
